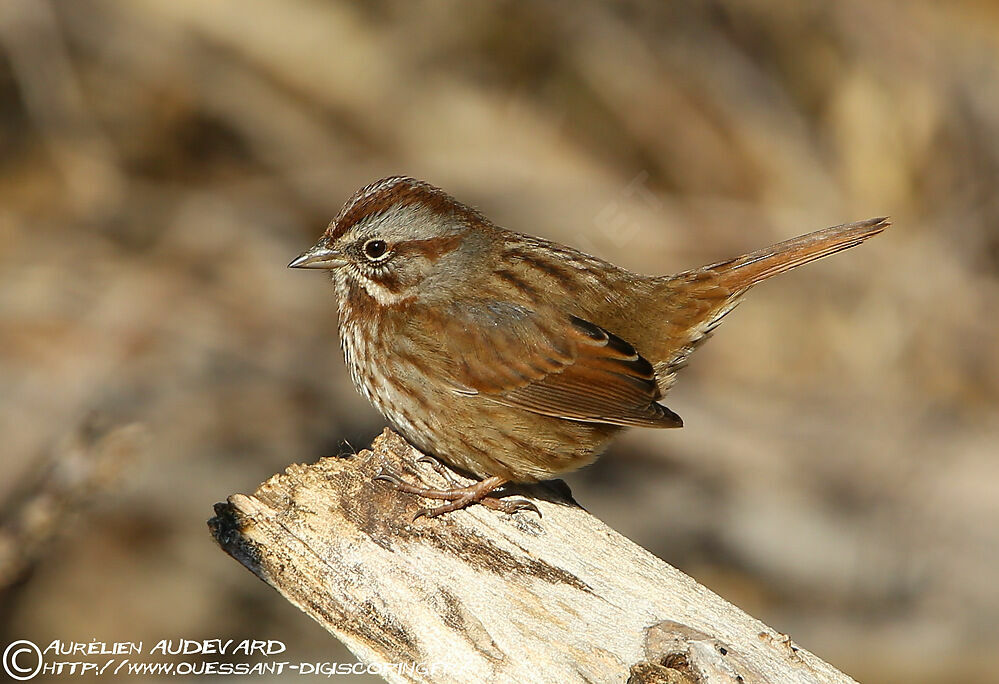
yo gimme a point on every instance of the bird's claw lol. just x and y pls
(524, 505)
(388, 476)
(511, 506)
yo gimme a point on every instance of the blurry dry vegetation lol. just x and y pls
(162, 160)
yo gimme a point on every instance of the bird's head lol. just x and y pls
(395, 238)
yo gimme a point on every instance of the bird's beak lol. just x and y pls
(319, 256)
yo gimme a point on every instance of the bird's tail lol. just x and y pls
(745, 271)
(695, 302)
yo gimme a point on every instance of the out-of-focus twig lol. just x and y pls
(85, 466)
(33, 42)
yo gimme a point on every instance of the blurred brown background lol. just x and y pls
(162, 160)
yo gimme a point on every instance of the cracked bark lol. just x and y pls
(484, 596)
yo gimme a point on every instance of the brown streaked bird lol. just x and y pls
(513, 358)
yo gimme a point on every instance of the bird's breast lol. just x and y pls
(380, 368)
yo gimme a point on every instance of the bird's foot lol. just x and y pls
(458, 497)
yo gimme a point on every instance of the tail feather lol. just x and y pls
(745, 271)
(696, 301)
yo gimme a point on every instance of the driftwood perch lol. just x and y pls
(483, 596)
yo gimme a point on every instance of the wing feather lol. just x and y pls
(552, 364)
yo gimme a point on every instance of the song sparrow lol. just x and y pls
(510, 357)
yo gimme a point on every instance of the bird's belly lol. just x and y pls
(472, 433)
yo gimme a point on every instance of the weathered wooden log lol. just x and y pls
(479, 595)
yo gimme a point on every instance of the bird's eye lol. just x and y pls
(375, 249)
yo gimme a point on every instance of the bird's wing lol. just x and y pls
(552, 364)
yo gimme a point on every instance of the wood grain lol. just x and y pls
(483, 596)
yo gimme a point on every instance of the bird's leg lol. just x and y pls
(459, 497)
